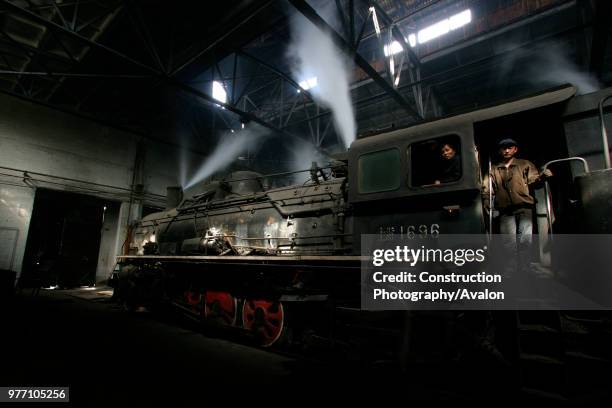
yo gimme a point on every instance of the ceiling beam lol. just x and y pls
(210, 45)
(497, 31)
(410, 14)
(73, 34)
(216, 104)
(165, 78)
(8, 41)
(275, 71)
(395, 31)
(73, 75)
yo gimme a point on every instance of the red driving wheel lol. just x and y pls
(193, 299)
(221, 307)
(265, 318)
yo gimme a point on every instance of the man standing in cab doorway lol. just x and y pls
(511, 180)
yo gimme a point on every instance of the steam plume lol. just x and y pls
(549, 65)
(316, 56)
(227, 150)
(301, 157)
(556, 68)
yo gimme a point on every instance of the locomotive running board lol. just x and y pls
(283, 258)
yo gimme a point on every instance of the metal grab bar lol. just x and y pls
(580, 159)
(604, 132)
(548, 209)
(547, 188)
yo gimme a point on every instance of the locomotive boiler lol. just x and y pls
(237, 217)
(276, 261)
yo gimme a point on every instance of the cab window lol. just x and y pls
(379, 171)
(435, 161)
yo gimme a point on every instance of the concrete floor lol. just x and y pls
(108, 356)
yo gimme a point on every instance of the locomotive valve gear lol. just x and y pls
(215, 243)
(314, 172)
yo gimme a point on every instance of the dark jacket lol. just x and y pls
(511, 185)
(450, 170)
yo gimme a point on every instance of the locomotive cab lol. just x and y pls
(394, 178)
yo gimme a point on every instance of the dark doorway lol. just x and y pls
(541, 138)
(64, 239)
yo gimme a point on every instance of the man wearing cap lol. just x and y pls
(511, 180)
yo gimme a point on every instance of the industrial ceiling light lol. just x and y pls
(218, 92)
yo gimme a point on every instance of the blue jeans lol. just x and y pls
(517, 227)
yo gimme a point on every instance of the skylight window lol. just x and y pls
(412, 40)
(218, 92)
(394, 48)
(429, 33)
(443, 27)
(459, 20)
(308, 83)
(433, 31)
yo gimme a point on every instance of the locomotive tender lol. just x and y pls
(269, 260)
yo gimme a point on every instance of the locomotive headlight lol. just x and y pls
(152, 238)
(213, 232)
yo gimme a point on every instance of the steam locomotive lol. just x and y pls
(275, 262)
